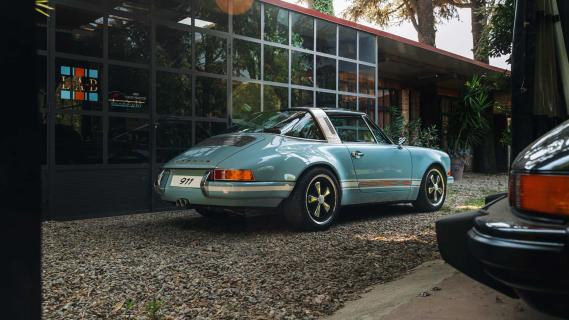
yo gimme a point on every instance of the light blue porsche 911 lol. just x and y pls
(304, 163)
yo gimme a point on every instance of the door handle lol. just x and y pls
(357, 154)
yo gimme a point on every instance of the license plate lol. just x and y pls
(186, 181)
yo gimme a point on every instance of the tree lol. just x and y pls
(324, 6)
(423, 14)
(496, 36)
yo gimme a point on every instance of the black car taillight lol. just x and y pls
(541, 193)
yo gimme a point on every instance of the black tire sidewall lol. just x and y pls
(295, 208)
(423, 203)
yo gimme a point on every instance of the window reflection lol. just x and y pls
(211, 97)
(172, 138)
(128, 39)
(347, 39)
(367, 47)
(173, 48)
(276, 64)
(128, 89)
(347, 79)
(211, 53)
(78, 139)
(174, 10)
(347, 102)
(247, 21)
(325, 73)
(209, 15)
(133, 6)
(128, 140)
(302, 98)
(276, 24)
(205, 130)
(173, 94)
(246, 99)
(246, 59)
(302, 31)
(302, 68)
(325, 100)
(275, 98)
(367, 105)
(325, 37)
(78, 31)
(367, 79)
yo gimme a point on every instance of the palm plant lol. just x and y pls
(468, 124)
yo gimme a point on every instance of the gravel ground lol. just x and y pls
(177, 265)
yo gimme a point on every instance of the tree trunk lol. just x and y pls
(478, 21)
(426, 22)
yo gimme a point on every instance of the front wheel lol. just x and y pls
(315, 200)
(433, 190)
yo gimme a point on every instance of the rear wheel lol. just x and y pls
(315, 200)
(432, 193)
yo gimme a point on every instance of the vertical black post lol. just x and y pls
(20, 158)
(523, 57)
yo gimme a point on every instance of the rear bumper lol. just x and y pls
(515, 256)
(230, 194)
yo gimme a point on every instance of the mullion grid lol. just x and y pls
(155, 21)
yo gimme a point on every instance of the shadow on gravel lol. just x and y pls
(269, 223)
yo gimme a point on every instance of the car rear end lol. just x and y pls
(517, 243)
(198, 177)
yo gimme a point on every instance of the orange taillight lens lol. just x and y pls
(233, 175)
(541, 193)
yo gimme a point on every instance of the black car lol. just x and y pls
(518, 242)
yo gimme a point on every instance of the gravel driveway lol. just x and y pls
(178, 265)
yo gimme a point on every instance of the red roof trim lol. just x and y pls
(320, 15)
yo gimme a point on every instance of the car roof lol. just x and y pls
(330, 110)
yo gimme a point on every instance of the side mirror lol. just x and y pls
(401, 141)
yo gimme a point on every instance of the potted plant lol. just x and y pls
(467, 124)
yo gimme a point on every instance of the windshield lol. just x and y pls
(266, 120)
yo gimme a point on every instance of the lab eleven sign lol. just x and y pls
(79, 84)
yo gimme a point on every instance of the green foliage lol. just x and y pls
(153, 309)
(496, 38)
(413, 131)
(128, 305)
(506, 136)
(467, 124)
(324, 6)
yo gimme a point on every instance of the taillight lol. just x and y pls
(233, 175)
(548, 194)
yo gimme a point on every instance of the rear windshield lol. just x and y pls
(293, 123)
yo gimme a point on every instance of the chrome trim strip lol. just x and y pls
(227, 189)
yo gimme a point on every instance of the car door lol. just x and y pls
(381, 167)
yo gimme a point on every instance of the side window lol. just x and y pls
(379, 135)
(352, 129)
(306, 128)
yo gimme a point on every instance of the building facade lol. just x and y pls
(126, 85)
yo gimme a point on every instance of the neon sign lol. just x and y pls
(79, 84)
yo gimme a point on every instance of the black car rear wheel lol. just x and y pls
(314, 202)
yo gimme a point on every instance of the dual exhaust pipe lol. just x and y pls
(182, 203)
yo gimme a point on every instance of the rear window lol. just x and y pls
(303, 127)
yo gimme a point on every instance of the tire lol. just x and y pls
(433, 190)
(315, 201)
